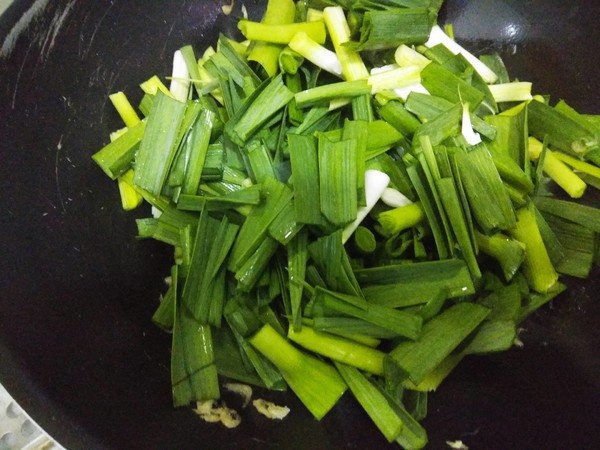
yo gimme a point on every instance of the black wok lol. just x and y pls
(77, 348)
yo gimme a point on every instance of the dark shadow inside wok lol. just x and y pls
(77, 291)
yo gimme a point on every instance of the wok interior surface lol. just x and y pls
(77, 347)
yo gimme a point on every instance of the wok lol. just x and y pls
(77, 348)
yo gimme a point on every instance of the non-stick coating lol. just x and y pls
(77, 347)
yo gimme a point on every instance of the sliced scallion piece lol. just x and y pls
(130, 197)
(212, 242)
(440, 336)
(305, 167)
(537, 267)
(401, 285)
(419, 181)
(316, 383)
(338, 180)
(438, 36)
(325, 93)
(406, 56)
(394, 79)
(199, 140)
(316, 53)
(279, 12)
(261, 162)
(180, 78)
(247, 196)
(563, 132)
(281, 34)
(492, 336)
(488, 198)
(353, 328)
(297, 261)
(124, 108)
(330, 257)
(339, 349)
(412, 434)
(399, 322)
(117, 157)
(153, 85)
(518, 91)
(373, 401)
(557, 170)
(459, 223)
(255, 228)
(193, 370)
(236, 318)
(398, 219)
(508, 252)
(353, 67)
(577, 243)
(164, 316)
(158, 146)
(443, 83)
(395, 113)
(251, 271)
(578, 164)
(364, 240)
(392, 27)
(584, 215)
(248, 120)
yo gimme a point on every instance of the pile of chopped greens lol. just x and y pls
(355, 202)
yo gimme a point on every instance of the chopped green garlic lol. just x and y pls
(438, 36)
